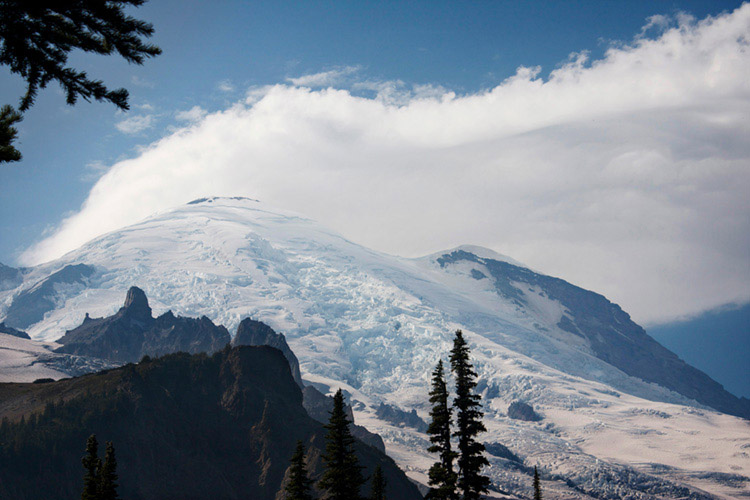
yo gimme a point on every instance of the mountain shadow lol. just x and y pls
(188, 427)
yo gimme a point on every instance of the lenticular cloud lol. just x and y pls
(628, 174)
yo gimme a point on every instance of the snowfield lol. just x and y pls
(376, 324)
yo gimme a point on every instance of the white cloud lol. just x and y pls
(225, 86)
(326, 78)
(626, 175)
(194, 114)
(135, 124)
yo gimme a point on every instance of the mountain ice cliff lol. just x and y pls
(619, 412)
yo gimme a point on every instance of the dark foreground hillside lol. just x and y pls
(184, 427)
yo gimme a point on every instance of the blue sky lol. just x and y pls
(216, 54)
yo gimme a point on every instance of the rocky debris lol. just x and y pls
(401, 418)
(501, 451)
(523, 411)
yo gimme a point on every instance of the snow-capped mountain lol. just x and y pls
(621, 415)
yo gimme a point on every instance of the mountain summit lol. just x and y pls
(375, 325)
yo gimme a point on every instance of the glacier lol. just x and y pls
(376, 324)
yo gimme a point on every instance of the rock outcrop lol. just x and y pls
(133, 332)
(12, 331)
(251, 332)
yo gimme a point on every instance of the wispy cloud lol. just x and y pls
(135, 124)
(94, 170)
(325, 78)
(627, 175)
(225, 86)
(193, 114)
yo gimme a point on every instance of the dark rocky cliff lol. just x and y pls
(251, 332)
(133, 332)
(12, 331)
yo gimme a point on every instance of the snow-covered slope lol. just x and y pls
(375, 325)
(24, 360)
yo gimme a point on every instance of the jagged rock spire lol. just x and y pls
(136, 302)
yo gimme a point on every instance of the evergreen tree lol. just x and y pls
(537, 487)
(299, 484)
(471, 483)
(108, 475)
(441, 474)
(8, 133)
(93, 465)
(342, 477)
(36, 38)
(378, 484)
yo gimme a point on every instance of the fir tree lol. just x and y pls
(537, 487)
(36, 38)
(108, 475)
(441, 474)
(299, 484)
(93, 465)
(342, 477)
(471, 483)
(378, 484)
(8, 133)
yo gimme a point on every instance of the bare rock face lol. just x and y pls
(523, 411)
(12, 331)
(133, 332)
(399, 417)
(251, 332)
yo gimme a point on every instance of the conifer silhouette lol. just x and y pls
(471, 483)
(92, 464)
(108, 475)
(299, 484)
(378, 484)
(442, 478)
(342, 478)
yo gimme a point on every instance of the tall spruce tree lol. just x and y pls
(537, 486)
(93, 465)
(441, 474)
(342, 477)
(108, 475)
(471, 483)
(378, 484)
(299, 484)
